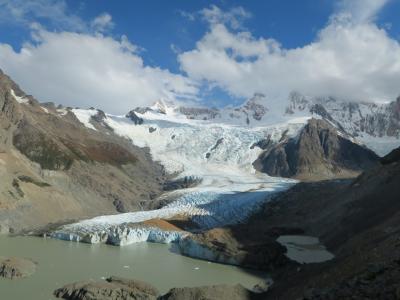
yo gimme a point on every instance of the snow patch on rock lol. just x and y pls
(84, 116)
(22, 100)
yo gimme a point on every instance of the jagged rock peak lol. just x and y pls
(255, 107)
(161, 106)
(319, 151)
(134, 117)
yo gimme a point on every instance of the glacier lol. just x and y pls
(220, 154)
(217, 147)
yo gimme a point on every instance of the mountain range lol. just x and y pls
(211, 180)
(61, 163)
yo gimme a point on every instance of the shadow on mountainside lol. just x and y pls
(358, 220)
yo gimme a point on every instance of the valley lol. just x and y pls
(191, 182)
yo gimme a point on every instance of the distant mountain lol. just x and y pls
(60, 163)
(376, 125)
(318, 151)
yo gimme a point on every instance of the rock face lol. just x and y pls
(377, 125)
(217, 292)
(377, 281)
(134, 118)
(13, 267)
(356, 118)
(236, 246)
(319, 151)
(392, 157)
(254, 108)
(357, 220)
(114, 288)
(181, 183)
(53, 168)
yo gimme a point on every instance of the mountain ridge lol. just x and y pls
(54, 169)
(377, 125)
(96, 163)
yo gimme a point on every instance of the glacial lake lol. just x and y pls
(61, 262)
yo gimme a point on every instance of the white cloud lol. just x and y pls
(233, 17)
(102, 23)
(85, 70)
(351, 57)
(25, 12)
(360, 11)
(187, 15)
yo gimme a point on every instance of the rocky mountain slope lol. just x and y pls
(376, 125)
(319, 151)
(63, 163)
(54, 169)
(358, 220)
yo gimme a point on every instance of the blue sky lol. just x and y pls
(207, 52)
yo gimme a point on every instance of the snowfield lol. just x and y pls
(218, 147)
(221, 154)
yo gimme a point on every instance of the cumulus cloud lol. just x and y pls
(102, 23)
(351, 58)
(25, 12)
(360, 11)
(80, 69)
(233, 17)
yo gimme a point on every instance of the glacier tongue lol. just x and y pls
(219, 151)
(120, 235)
(220, 154)
(207, 207)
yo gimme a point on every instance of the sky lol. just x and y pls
(117, 55)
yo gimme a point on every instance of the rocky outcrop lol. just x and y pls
(254, 108)
(216, 292)
(134, 117)
(9, 109)
(392, 157)
(357, 220)
(357, 118)
(113, 288)
(100, 119)
(377, 281)
(116, 288)
(236, 245)
(320, 151)
(181, 183)
(14, 267)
